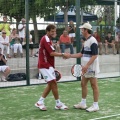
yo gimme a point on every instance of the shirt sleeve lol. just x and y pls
(49, 47)
(94, 49)
(82, 51)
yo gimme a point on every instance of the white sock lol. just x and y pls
(83, 101)
(57, 101)
(41, 100)
(95, 104)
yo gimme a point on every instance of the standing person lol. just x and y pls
(3, 67)
(5, 26)
(89, 61)
(21, 29)
(71, 30)
(47, 68)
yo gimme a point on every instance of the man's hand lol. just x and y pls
(84, 69)
(66, 55)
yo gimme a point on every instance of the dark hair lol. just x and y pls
(49, 27)
(109, 33)
(89, 31)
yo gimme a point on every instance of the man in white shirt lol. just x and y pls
(21, 29)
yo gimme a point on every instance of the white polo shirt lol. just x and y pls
(90, 48)
(22, 32)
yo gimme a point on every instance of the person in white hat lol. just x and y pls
(90, 67)
(21, 29)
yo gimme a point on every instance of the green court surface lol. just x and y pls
(17, 103)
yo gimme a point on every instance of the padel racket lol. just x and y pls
(58, 75)
(76, 70)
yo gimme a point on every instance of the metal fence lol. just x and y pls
(109, 64)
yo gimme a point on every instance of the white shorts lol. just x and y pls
(48, 74)
(71, 34)
(3, 68)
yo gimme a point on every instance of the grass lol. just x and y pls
(17, 103)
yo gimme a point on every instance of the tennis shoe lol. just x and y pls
(80, 106)
(41, 106)
(61, 106)
(92, 109)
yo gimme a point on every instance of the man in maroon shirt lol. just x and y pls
(47, 68)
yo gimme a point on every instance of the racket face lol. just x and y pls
(58, 75)
(76, 70)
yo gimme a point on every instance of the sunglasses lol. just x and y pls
(3, 33)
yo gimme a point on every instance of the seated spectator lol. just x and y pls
(95, 34)
(4, 43)
(56, 44)
(3, 67)
(15, 43)
(109, 42)
(71, 30)
(30, 44)
(117, 42)
(65, 42)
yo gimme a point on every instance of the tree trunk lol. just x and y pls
(35, 30)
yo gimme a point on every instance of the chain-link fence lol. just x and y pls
(11, 17)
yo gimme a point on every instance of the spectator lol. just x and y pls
(4, 43)
(117, 42)
(109, 42)
(95, 34)
(56, 44)
(101, 21)
(65, 42)
(15, 43)
(21, 29)
(5, 26)
(71, 30)
(30, 44)
(3, 67)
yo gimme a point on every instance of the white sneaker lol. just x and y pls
(41, 106)
(92, 109)
(80, 106)
(61, 106)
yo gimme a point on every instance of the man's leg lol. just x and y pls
(82, 104)
(100, 48)
(94, 85)
(113, 46)
(106, 48)
(71, 49)
(7, 72)
(62, 47)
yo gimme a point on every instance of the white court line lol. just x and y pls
(104, 117)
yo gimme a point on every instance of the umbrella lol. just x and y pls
(59, 17)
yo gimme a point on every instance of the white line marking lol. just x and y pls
(105, 117)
